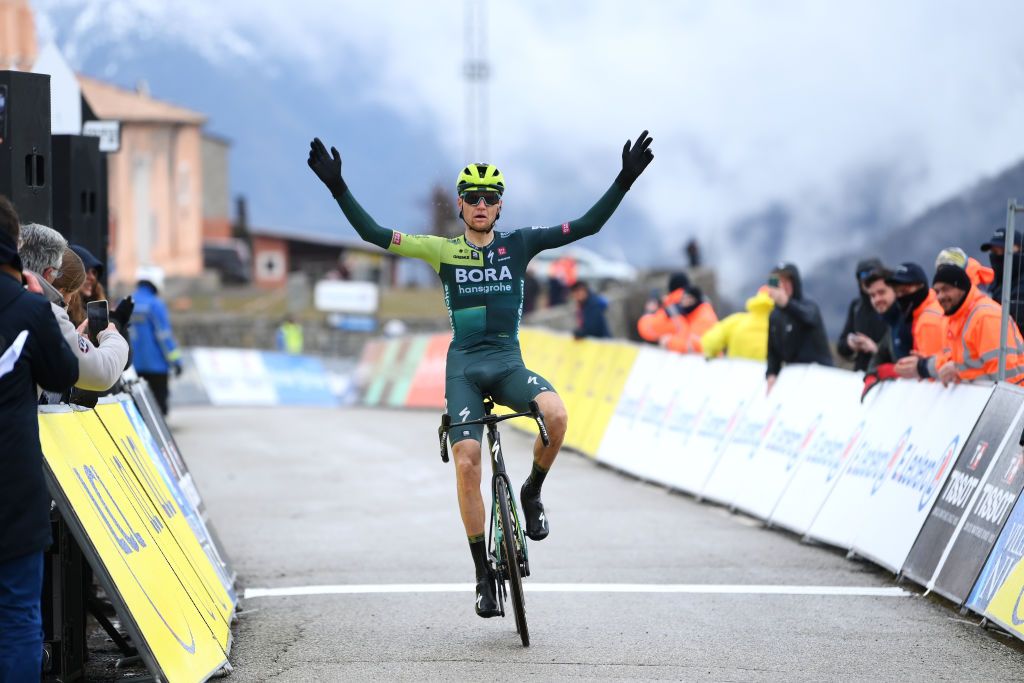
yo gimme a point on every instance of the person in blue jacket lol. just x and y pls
(156, 353)
(32, 353)
(590, 308)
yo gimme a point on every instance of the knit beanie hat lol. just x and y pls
(952, 275)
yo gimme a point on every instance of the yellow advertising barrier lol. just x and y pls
(611, 371)
(114, 521)
(589, 376)
(1007, 606)
(175, 534)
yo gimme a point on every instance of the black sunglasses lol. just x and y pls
(473, 197)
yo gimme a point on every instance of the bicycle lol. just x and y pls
(507, 551)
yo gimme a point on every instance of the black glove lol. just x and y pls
(178, 369)
(122, 315)
(634, 160)
(326, 166)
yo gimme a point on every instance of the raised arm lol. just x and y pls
(635, 158)
(327, 168)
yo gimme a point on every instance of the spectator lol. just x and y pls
(156, 352)
(561, 276)
(590, 313)
(92, 289)
(864, 326)
(45, 252)
(981, 276)
(681, 319)
(918, 332)
(44, 360)
(744, 334)
(796, 333)
(996, 247)
(289, 336)
(693, 253)
(973, 325)
(531, 291)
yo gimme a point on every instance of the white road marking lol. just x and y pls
(700, 589)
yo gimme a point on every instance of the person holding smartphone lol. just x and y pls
(60, 273)
(796, 332)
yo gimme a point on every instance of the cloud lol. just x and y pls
(750, 103)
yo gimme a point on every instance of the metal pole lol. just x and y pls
(1004, 325)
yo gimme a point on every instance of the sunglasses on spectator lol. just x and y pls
(473, 197)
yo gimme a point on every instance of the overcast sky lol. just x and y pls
(748, 102)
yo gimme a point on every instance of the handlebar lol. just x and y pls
(446, 425)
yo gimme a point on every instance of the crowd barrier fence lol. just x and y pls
(129, 501)
(921, 479)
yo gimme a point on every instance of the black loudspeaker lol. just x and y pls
(80, 193)
(25, 165)
(66, 584)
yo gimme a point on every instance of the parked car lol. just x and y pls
(230, 258)
(591, 267)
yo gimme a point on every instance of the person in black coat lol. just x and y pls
(862, 321)
(32, 352)
(796, 332)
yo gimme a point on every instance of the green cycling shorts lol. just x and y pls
(498, 372)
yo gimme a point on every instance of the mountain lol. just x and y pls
(965, 220)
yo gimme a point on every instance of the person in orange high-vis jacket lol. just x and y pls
(681, 319)
(972, 332)
(919, 312)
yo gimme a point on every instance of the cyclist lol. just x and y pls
(482, 274)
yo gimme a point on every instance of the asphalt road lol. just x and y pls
(306, 498)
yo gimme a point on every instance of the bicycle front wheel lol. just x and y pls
(511, 552)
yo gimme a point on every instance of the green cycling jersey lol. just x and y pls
(483, 286)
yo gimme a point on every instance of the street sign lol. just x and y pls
(109, 133)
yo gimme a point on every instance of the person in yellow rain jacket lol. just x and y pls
(743, 334)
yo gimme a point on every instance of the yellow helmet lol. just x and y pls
(480, 177)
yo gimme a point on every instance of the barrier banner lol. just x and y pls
(825, 449)
(971, 509)
(186, 505)
(298, 380)
(367, 365)
(819, 393)
(119, 529)
(912, 480)
(617, 445)
(406, 368)
(704, 416)
(727, 483)
(1007, 555)
(1006, 607)
(613, 368)
(576, 386)
(172, 461)
(427, 387)
(671, 377)
(234, 377)
(384, 371)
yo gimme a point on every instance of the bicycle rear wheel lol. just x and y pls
(515, 581)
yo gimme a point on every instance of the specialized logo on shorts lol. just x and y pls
(83, 344)
(565, 228)
(396, 237)
(532, 380)
(464, 413)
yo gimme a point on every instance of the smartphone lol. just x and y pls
(98, 315)
(773, 281)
